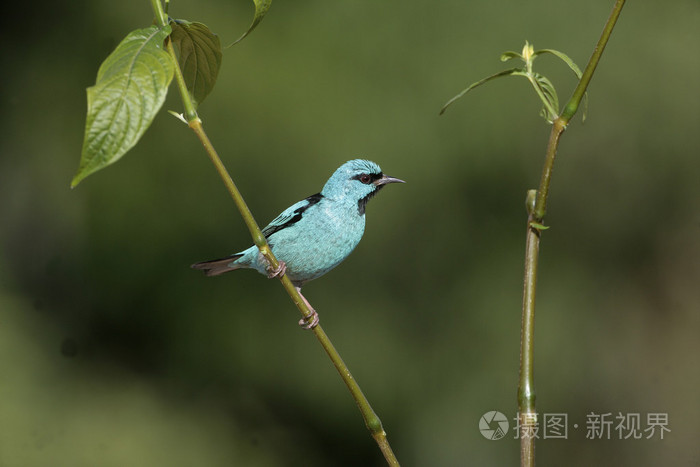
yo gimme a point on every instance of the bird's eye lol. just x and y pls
(365, 178)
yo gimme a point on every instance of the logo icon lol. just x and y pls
(493, 425)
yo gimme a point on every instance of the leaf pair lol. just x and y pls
(542, 85)
(133, 81)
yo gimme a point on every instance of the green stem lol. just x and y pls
(190, 111)
(161, 17)
(558, 127)
(527, 412)
(372, 421)
(572, 106)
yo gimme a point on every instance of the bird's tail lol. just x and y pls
(216, 267)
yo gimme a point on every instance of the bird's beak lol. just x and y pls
(385, 180)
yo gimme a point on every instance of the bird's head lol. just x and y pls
(357, 181)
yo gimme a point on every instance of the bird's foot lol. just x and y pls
(279, 272)
(310, 321)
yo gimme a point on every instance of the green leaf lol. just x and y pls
(538, 226)
(130, 89)
(261, 7)
(565, 58)
(505, 56)
(551, 104)
(199, 56)
(512, 71)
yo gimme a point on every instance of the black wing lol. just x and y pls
(291, 215)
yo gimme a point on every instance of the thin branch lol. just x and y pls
(372, 421)
(527, 413)
(572, 106)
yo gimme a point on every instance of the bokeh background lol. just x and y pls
(113, 352)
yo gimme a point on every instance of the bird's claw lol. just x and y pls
(310, 321)
(279, 272)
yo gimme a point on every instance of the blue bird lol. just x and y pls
(316, 234)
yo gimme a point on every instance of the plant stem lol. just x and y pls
(527, 414)
(161, 17)
(572, 106)
(558, 127)
(372, 421)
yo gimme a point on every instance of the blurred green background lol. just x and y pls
(113, 352)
